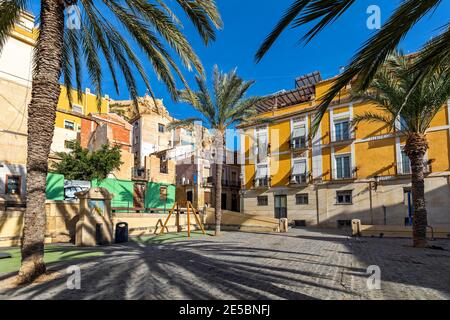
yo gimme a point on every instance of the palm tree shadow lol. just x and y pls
(182, 269)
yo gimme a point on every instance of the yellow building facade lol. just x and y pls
(68, 117)
(342, 172)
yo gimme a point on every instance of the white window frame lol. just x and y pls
(348, 115)
(299, 121)
(257, 131)
(293, 160)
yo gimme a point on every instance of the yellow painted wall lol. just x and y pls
(375, 158)
(280, 136)
(280, 169)
(372, 158)
(369, 129)
(440, 119)
(88, 101)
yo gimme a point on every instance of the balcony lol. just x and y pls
(404, 168)
(349, 174)
(207, 182)
(230, 183)
(342, 137)
(299, 143)
(262, 182)
(262, 152)
(299, 179)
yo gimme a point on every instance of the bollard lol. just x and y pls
(356, 228)
(283, 225)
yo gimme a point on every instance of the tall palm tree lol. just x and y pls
(220, 110)
(399, 99)
(63, 49)
(375, 51)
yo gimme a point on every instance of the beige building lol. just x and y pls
(15, 94)
(150, 132)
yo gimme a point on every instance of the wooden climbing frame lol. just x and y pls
(176, 209)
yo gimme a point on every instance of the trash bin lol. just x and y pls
(121, 232)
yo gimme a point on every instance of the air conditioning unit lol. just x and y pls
(294, 181)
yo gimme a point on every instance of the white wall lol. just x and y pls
(16, 61)
(59, 137)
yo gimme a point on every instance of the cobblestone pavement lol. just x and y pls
(301, 264)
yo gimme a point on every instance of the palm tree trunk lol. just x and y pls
(218, 181)
(41, 120)
(416, 147)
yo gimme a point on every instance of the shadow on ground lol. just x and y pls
(301, 264)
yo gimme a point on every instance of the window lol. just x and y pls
(77, 109)
(161, 128)
(343, 167)
(342, 130)
(233, 176)
(68, 144)
(263, 201)
(163, 193)
(299, 174)
(403, 124)
(301, 198)
(163, 165)
(13, 184)
(344, 197)
(299, 134)
(406, 164)
(262, 178)
(70, 125)
(262, 144)
(188, 133)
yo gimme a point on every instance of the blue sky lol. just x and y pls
(247, 22)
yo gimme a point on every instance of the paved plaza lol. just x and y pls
(300, 264)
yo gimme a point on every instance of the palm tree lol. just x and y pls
(63, 48)
(399, 99)
(220, 110)
(375, 51)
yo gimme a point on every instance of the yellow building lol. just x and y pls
(68, 118)
(341, 173)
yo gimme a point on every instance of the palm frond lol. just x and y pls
(185, 123)
(10, 11)
(374, 117)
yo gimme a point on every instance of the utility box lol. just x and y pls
(95, 225)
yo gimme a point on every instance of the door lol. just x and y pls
(280, 207)
(224, 201)
(408, 203)
(207, 199)
(139, 196)
(234, 202)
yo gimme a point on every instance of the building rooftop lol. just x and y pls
(304, 92)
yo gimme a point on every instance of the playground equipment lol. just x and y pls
(177, 210)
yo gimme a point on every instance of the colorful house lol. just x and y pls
(341, 173)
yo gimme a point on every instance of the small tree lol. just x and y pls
(82, 164)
